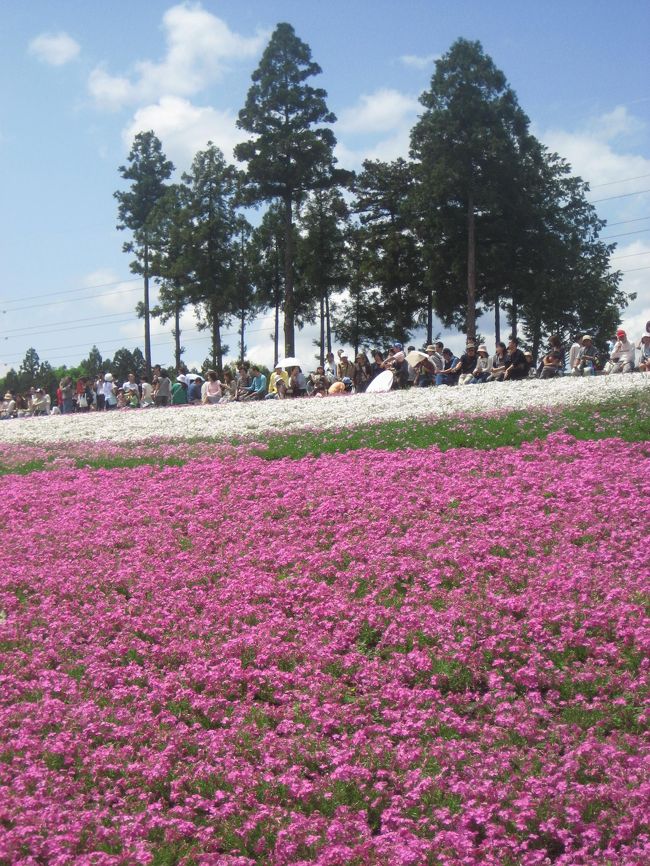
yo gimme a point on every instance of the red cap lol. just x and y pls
(620, 333)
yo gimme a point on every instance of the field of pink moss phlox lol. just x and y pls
(372, 658)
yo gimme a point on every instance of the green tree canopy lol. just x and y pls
(211, 188)
(148, 170)
(292, 150)
(465, 146)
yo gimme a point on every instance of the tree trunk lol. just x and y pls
(514, 315)
(276, 332)
(289, 304)
(147, 314)
(497, 319)
(242, 328)
(537, 338)
(177, 334)
(430, 318)
(216, 341)
(328, 325)
(471, 270)
(321, 354)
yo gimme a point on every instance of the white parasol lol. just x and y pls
(416, 357)
(382, 382)
(289, 362)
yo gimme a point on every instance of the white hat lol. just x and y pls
(182, 378)
(108, 377)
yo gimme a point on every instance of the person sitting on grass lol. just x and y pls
(257, 388)
(8, 406)
(211, 392)
(553, 363)
(516, 365)
(483, 366)
(179, 391)
(466, 365)
(499, 363)
(586, 361)
(644, 359)
(278, 384)
(447, 376)
(317, 385)
(194, 389)
(622, 357)
(40, 403)
(297, 383)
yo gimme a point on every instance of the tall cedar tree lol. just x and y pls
(465, 145)
(246, 300)
(391, 255)
(322, 255)
(169, 264)
(268, 244)
(148, 169)
(291, 153)
(211, 186)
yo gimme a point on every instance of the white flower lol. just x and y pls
(251, 420)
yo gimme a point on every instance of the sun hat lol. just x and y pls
(483, 348)
(470, 345)
(182, 378)
(9, 396)
(108, 377)
(585, 337)
(430, 348)
(399, 357)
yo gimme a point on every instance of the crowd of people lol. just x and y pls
(434, 365)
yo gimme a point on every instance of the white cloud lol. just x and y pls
(382, 111)
(55, 49)
(198, 46)
(415, 61)
(377, 127)
(602, 151)
(185, 128)
(109, 91)
(116, 297)
(633, 260)
(386, 150)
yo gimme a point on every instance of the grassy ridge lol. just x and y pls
(627, 419)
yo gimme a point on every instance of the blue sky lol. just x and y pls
(81, 78)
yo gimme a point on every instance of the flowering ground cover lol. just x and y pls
(419, 657)
(248, 421)
(627, 417)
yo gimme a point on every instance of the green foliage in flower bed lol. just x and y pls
(627, 419)
(624, 418)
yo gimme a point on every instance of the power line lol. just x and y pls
(80, 289)
(624, 234)
(124, 340)
(68, 300)
(94, 320)
(630, 255)
(624, 195)
(623, 180)
(625, 222)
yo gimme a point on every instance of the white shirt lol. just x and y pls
(623, 351)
